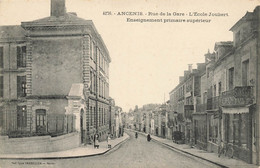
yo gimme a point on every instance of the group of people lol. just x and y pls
(96, 141)
(148, 137)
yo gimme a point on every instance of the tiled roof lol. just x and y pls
(12, 32)
(68, 18)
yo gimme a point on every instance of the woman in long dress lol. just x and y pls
(96, 141)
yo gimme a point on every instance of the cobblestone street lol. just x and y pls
(133, 153)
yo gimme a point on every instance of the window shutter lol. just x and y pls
(1, 116)
(23, 55)
(19, 124)
(19, 86)
(18, 51)
(1, 57)
(1, 86)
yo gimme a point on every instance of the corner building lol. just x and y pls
(61, 80)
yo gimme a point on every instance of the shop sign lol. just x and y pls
(188, 94)
(239, 96)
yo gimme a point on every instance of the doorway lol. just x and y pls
(41, 121)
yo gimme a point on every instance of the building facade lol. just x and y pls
(226, 107)
(54, 77)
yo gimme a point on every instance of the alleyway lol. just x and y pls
(134, 153)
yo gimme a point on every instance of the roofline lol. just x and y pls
(239, 22)
(80, 23)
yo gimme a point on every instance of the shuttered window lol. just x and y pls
(1, 116)
(1, 57)
(21, 56)
(21, 86)
(21, 117)
(1, 86)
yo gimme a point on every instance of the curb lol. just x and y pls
(181, 151)
(69, 157)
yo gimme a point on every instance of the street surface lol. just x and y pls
(135, 153)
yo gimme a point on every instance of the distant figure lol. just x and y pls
(108, 141)
(136, 135)
(149, 138)
(96, 142)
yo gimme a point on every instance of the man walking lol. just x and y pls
(149, 138)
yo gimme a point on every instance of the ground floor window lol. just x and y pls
(1, 117)
(213, 129)
(41, 120)
(237, 129)
(21, 117)
(200, 131)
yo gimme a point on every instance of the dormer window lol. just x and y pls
(237, 38)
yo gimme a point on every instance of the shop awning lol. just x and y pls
(236, 110)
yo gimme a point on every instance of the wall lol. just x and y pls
(56, 65)
(38, 144)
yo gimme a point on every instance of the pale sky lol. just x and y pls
(147, 58)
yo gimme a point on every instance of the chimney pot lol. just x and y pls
(190, 67)
(58, 8)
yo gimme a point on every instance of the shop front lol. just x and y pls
(214, 130)
(200, 130)
(237, 122)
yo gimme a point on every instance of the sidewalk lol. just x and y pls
(84, 151)
(204, 155)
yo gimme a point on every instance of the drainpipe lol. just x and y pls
(257, 129)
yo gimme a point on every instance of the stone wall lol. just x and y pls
(38, 144)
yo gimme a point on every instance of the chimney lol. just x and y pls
(181, 79)
(58, 8)
(190, 67)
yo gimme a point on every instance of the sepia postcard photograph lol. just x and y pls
(129, 84)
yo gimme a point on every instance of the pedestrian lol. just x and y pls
(96, 141)
(149, 138)
(136, 135)
(108, 141)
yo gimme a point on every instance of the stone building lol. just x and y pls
(112, 117)
(227, 108)
(183, 100)
(54, 76)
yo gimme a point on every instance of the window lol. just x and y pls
(1, 116)
(1, 57)
(95, 51)
(91, 82)
(95, 84)
(21, 117)
(231, 78)
(215, 91)
(41, 120)
(21, 86)
(101, 64)
(21, 56)
(91, 119)
(105, 116)
(213, 129)
(237, 38)
(219, 88)
(92, 50)
(207, 72)
(1, 86)
(99, 84)
(102, 116)
(94, 116)
(98, 55)
(245, 71)
(99, 113)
